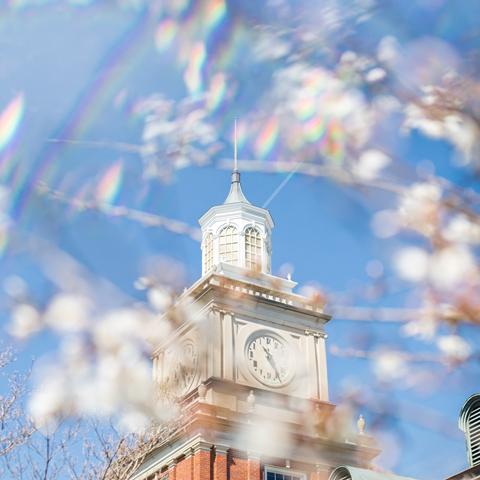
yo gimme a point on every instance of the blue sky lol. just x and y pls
(81, 68)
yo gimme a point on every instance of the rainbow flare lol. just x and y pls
(315, 128)
(165, 33)
(3, 240)
(121, 59)
(10, 120)
(216, 12)
(193, 73)
(216, 92)
(268, 138)
(110, 184)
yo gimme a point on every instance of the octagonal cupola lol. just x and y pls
(236, 233)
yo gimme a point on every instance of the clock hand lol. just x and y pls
(271, 361)
(274, 365)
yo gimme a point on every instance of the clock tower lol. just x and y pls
(247, 365)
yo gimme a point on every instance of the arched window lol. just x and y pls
(208, 252)
(473, 432)
(469, 422)
(253, 249)
(228, 245)
(340, 473)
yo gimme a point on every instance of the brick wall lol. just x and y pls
(221, 464)
(215, 464)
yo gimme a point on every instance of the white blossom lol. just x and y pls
(68, 312)
(375, 75)
(49, 400)
(159, 298)
(25, 321)
(118, 327)
(385, 223)
(419, 207)
(454, 347)
(460, 229)
(451, 266)
(389, 365)
(412, 263)
(370, 163)
(415, 118)
(457, 129)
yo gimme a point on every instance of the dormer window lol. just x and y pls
(470, 424)
(228, 245)
(253, 249)
(473, 433)
(208, 252)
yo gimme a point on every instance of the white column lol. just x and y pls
(312, 373)
(241, 249)
(322, 366)
(216, 250)
(227, 348)
(202, 249)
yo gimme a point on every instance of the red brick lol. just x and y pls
(238, 468)
(220, 466)
(253, 469)
(201, 466)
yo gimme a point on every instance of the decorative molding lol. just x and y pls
(223, 449)
(201, 446)
(316, 334)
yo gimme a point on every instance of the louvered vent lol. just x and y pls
(340, 473)
(473, 434)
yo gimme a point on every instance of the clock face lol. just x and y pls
(269, 358)
(181, 365)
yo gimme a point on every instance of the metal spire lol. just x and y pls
(235, 160)
(235, 195)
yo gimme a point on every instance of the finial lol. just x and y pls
(235, 195)
(235, 160)
(361, 425)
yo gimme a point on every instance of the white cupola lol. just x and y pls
(236, 233)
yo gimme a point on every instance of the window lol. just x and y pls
(274, 473)
(340, 473)
(473, 433)
(208, 253)
(253, 250)
(228, 245)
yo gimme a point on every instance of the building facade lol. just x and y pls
(247, 363)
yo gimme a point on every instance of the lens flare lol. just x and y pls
(10, 120)
(305, 108)
(226, 53)
(193, 73)
(267, 139)
(110, 184)
(333, 144)
(165, 34)
(217, 91)
(216, 12)
(3, 241)
(121, 59)
(314, 129)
